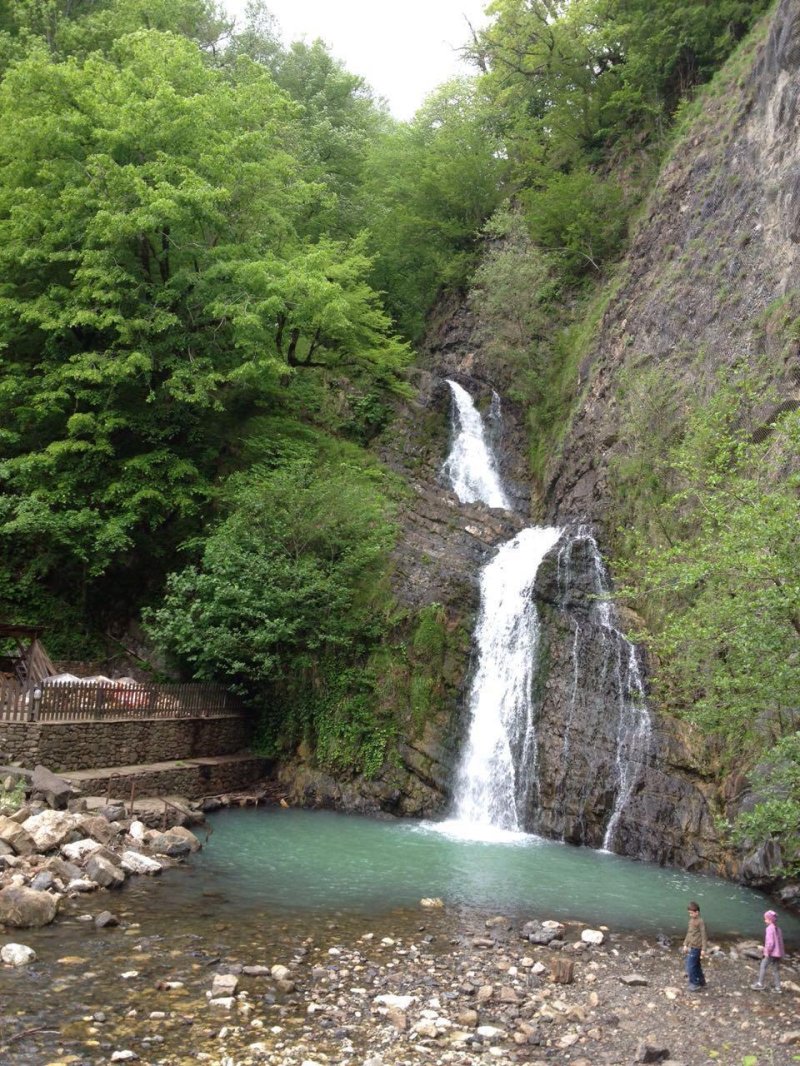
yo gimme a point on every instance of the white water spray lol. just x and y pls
(470, 467)
(498, 770)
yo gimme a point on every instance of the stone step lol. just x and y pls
(192, 778)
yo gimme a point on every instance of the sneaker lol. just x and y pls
(778, 991)
(759, 987)
(695, 988)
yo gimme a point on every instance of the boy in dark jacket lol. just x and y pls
(694, 946)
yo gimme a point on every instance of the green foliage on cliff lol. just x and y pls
(716, 574)
(295, 571)
(776, 814)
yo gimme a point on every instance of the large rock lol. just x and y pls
(50, 829)
(13, 834)
(62, 869)
(104, 873)
(99, 828)
(24, 908)
(17, 955)
(136, 863)
(54, 790)
(79, 849)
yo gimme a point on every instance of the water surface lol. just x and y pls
(285, 861)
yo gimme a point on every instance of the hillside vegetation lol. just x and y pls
(216, 251)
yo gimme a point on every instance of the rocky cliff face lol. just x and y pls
(713, 272)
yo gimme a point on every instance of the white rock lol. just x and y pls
(592, 936)
(50, 829)
(81, 884)
(489, 1032)
(124, 1056)
(138, 830)
(280, 973)
(80, 849)
(224, 985)
(135, 863)
(129, 975)
(226, 1003)
(17, 955)
(425, 1027)
(400, 1002)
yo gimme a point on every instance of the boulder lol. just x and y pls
(50, 829)
(17, 955)
(592, 936)
(104, 873)
(136, 863)
(12, 833)
(99, 828)
(542, 932)
(563, 971)
(54, 790)
(106, 919)
(224, 984)
(79, 850)
(650, 1053)
(168, 844)
(179, 832)
(63, 870)
(81, 884)
(25, 908)
(43, 881)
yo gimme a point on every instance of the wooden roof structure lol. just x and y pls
(31, 663)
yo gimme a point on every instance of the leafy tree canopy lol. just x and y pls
(156, 279)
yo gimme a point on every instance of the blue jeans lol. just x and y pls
(694, 971)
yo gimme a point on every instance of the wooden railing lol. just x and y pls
(94, 701)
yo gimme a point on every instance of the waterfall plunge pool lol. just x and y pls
(281, 862)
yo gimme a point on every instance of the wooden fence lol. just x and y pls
(95, 700)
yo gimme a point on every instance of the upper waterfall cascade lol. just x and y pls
(470, 467)
(496, 784)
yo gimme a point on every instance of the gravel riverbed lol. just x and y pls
(428, 985)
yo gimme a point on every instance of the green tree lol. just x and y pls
(290, 596)
(722, 589)
(154, 283)
(430, 186)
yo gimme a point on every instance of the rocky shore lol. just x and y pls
(430, 985)
(123, 977)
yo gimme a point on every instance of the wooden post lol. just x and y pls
(562, 971)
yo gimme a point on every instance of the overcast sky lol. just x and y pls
(403, 48)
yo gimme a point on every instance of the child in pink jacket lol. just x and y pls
(773, 952)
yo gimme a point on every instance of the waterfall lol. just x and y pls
(496, 785)
(634, 726)
(470, 467)
(497, 775)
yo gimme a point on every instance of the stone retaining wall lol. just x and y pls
(63, 746)
(194, 781)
